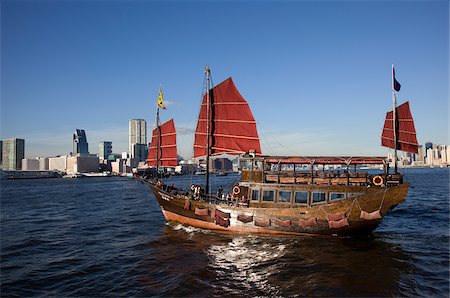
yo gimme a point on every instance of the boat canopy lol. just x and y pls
(164, 138)
(327, 160)
(232, 126)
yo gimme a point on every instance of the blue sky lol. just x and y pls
(317, 74)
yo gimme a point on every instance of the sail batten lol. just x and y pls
(405, 130)
(232, 126)
(166, 144)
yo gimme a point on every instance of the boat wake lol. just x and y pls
(247, 262)
(187, 229)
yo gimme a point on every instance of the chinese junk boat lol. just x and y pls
(279, 195)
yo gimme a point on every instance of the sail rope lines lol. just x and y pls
(266, 138)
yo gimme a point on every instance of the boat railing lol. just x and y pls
(323, 178)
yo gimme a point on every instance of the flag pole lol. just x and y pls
(394, 119)
(157, 137)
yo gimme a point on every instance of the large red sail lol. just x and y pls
(167, 144)
(406, 132)
(233, 128)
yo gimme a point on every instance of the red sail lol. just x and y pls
(406, 132)
(233, 128)
(167, 144)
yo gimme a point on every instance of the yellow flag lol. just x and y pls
(160, 100)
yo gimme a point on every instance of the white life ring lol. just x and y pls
(236, 190)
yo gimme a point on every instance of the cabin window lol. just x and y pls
(337, 196)
(284, 196)
(274, 167)
(268, 195)
(301, 197)
(255, 195)
(287, 167)
(318, 197)
(257, 165)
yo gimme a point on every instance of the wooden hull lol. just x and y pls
(285, 220)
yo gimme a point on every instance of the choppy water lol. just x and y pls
(107, 237)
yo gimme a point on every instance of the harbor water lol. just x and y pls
(106, 237)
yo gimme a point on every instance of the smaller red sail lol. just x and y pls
(406, 132)
(167, 144)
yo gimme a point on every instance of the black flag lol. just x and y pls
(395, 85)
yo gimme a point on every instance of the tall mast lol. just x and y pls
(394, 119)
(208, 112)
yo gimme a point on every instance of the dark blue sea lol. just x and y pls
(106, 237)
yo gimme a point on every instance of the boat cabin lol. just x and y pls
(306, 181)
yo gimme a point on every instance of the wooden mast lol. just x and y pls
(394, 119)
(208, 112)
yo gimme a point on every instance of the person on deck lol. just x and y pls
(220, 192)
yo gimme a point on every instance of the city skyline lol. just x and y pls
(315, 87)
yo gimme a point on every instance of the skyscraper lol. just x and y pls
(428, 145)
(13, 152)
(137, 135)
(80, 144)
(104, 150)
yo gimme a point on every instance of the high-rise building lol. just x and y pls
(104, 150)
(428, 145)
(444, 156)
(137, 135)
(421, 155)
(13, 151)
(139, 151)
(80, 144)
(1, 153)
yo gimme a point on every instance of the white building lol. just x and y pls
(445, 154)
(43, 164)
(57, 163)
(119, 166)
(29, 164)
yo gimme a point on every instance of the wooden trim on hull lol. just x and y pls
(170, 216)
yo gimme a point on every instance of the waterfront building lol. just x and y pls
(104, 150)
(1, 153)
(444, 156)
(43, 164)
(118, 167)
(221, 164)
(35, 164)
(421, 155)
(137, 135)
(29, 164)
(58, 163)
(82, 164)
(13, 151)
(139, 151)
(80, 144)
